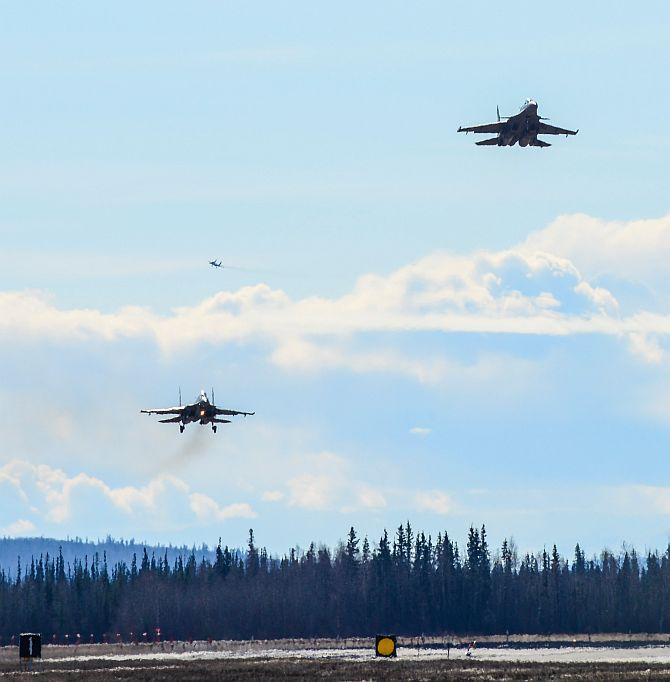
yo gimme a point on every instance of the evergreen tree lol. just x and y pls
(410, 584)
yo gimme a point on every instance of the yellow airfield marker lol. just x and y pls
(385, 646)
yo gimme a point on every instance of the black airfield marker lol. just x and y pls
(30, 646)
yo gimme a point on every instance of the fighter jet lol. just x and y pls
(214, 264)
(523, 128)
(200, 411)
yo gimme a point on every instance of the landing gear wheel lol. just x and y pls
(214, 429)
(181, 428)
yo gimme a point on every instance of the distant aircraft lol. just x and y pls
(214, 264)
(523, 128)
(201, 411)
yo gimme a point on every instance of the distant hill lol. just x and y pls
(117, 550)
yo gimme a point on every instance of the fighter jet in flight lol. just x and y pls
(214, 264)
(201, 411)
(523, 128)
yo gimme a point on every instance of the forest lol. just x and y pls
(407, 583)
(117, 550)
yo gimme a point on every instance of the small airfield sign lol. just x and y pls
(386, 646)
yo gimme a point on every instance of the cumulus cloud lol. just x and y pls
(321, 482)
(634, 250)
(370, 498)
(645, 347)
(312, 491)
(600, 297)
(434, 501)
(19, 527)
(536, 288)
(206, 509)
(54, 495)
(328, 482)
(503, 292)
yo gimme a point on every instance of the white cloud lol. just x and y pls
(600, 297)
(508, 374)
(317, 481)
(19, 527)
(370, 498)
(312, 491)
(59, 490)
(535, 288)
(304, 356)
(206, 509)
(420, 431)
(634, 250)
(331, 483)
(272, 496)
(57, 498)
(645, 347)
(502, 292)
(639, 499)
(328, 482)
(434, 501)
(631, 500)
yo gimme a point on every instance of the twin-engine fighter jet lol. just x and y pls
(201, 411)
(523, 128)
(214, 264)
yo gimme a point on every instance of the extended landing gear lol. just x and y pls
(181, 428)
(214, 428)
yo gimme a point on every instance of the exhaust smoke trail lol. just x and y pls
(194, 443)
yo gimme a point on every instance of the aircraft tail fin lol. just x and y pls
(539, 143)
(492, 140)
(500, 118)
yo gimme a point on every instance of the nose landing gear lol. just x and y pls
(181, 428)
(214, 428)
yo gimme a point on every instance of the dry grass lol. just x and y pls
(333, 670)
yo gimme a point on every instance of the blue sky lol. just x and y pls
(426, 329)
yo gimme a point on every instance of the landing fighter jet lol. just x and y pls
(214, 264)
(201, 411)
(523, 128)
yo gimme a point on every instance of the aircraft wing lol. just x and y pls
(484, 128)
(546, 129)
(233, 412)
(165, 410)
(172, 420)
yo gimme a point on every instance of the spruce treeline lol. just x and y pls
(409, 584)
(116, 549)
